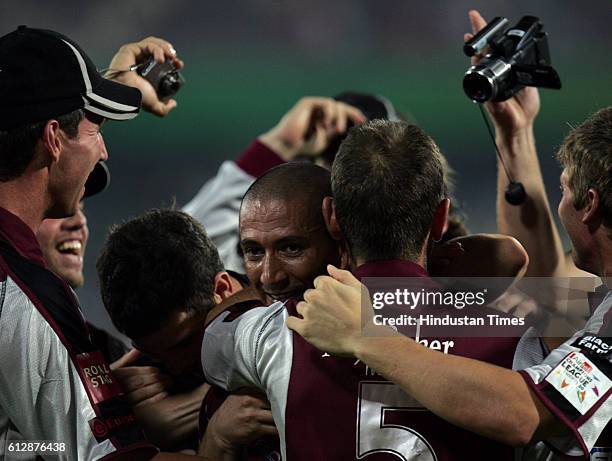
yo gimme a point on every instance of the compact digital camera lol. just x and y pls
(165, 77)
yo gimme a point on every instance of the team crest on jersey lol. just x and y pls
(594, 345)
(579, 381)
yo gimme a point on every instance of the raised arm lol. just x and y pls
(479, 255)
(122, 69)
(532, 222)
(305, 129)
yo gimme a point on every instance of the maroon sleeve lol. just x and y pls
(258, 158)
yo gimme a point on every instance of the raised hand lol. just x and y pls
(516, 113)
(309, 126)
(131, 54)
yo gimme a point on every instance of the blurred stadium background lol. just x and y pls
(248, 61)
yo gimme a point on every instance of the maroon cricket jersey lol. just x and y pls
(329, 408)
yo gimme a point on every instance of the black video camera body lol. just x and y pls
(165, 77)
(518, 57)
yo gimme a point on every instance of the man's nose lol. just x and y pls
(272, 272)
(104, 153)
(75, 222)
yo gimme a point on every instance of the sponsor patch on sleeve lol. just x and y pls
(594, 345)
(579, 381)
(97, 377)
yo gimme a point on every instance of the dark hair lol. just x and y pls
(17, 145)
(153, 265)
(586, 152)
(387, 181)
(302, 181)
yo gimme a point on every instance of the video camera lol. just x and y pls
(517, 57)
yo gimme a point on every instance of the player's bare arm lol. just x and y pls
(532, 222)
(479, 255)
(243, 418)
(309, 126)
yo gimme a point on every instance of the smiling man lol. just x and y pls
(63, 243)
(282, 232)
(54, 383)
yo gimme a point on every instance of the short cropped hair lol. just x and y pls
(302, 181)
(586, 152)
(17, 145)
(156, 264)
(387, 180)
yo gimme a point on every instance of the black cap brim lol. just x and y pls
(372, 106)
(113, 100)
(98, 180)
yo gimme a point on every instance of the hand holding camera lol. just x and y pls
(517, 57)
(157, 83)
(506, 78)
(519, 111)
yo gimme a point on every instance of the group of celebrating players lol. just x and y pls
(251, 337)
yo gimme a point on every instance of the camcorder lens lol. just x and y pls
(477, 87)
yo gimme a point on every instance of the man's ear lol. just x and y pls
(440, 221)
(51, 140)
(591, 213)
(329, 215)
(223, 287)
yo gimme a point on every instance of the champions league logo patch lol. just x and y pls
(579, 381)
(594, 345)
